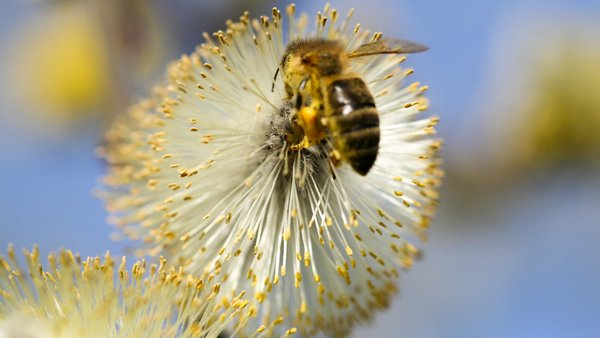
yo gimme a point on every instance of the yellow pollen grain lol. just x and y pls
(423, 106)
(303, 307)
(382, 93)
(328, 221)
(298, 279)
(381, 213)
(324, 21)
(429, 130)
(290, 10)
(376, 36)
(260, 296)
(287, 234)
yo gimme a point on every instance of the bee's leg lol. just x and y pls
(299, 101)
(301, 89)
(332, 171)
(301, 117)
(304, 143)
(335, 158)
(333, 163)
(289, 92)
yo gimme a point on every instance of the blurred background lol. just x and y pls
(515, 248)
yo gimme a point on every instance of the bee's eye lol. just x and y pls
(304, 60)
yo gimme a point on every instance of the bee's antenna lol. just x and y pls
(274, 79)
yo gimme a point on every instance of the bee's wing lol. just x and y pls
(387, 46)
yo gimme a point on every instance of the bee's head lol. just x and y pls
(313, 55)
(306, 57)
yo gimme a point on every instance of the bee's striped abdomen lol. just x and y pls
(353, 121)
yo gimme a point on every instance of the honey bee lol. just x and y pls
(332, 100)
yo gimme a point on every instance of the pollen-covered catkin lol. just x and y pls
(210, 171)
